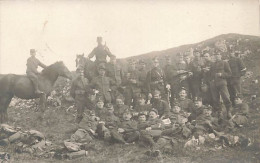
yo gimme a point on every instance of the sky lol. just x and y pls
(59, 30)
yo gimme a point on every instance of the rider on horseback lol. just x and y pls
(101, 52)
(31, 71)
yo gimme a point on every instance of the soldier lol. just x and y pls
(141, 106)
(155, 80)
(100, 52)
(162, 106)
(31, 71)
(170, 72)
(184, 103)
(132, 84)
(120, 107)
(127, 129)
(241, 110)
(142, 78)
(81, 91)
(197, 109)
(219, 72)
(180, 80)
(114, 71)
(196, 68)
(103, 84)
(238, 69)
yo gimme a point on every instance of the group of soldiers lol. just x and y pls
(185, 92)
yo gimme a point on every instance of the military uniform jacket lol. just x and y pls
(195, 67)
(119, 111)
(114, 72)
(143, 108)
(155, 124)
(196, 112)
(101, 52)
(220, 67)
(142, 79)
(237, 67)
(162, 107)
(133, 75)
(185, 104)
(156, 80)
(170, 73)
(79, 87)
(111, 121)
(103, 84)
(128, 126)
(32, 65)
(206, 74)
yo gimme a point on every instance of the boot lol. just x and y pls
(229, 109)
(37, 91)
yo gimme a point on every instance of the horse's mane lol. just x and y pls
(51, 67)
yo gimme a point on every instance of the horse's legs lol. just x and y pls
(4, 103)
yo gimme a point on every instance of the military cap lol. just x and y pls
(102, 66)
(109, 105)
(131, 61)
(120, 97)
(208, 107)
(32, 51)
(155, 58)
(141, 113)
(156, 92)
(141, 96)
(127, 111)
(197, 98)
(100, 99)
(154, 110)
(99, 38)
(183, 88)
(176, 103)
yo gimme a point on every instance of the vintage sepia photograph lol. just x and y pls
(130, 81)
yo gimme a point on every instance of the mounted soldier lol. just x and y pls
(31, 71)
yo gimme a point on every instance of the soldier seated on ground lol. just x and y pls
(126, 131)
(197, 108)
(240, 112)
(205, 123)
(160, 105)
(152, 131)
(120, 106)
(141, 105)
(108, 122)
(185, 103)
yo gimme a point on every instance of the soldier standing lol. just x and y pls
(156, 79)
(31, 71)
(132, 83)
(103, 84)
(238, 69)
(170, 72)
(142, 78)
(100, 52)
(195, 67)
(81, 92)
(219, 72)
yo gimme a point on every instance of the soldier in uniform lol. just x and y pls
(170, 72)
(120, 106)
(195, 67)
(143, 73)
(181, 79)
(100, 52)
(238, 69)
(31, 71)
(219, 72)
(132, 84)
(185, 103)
(156, 80)
(114, 71)
(162, 106)
(103, 84)
(81, 91)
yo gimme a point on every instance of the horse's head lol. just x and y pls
(62, 70)
(80, 61)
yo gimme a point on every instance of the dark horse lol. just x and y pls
(21, 86)
(89, 67)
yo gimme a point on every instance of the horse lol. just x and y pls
(21, 86)
(88, 66)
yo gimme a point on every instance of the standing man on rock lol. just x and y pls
(31, 71)
(100, 52)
